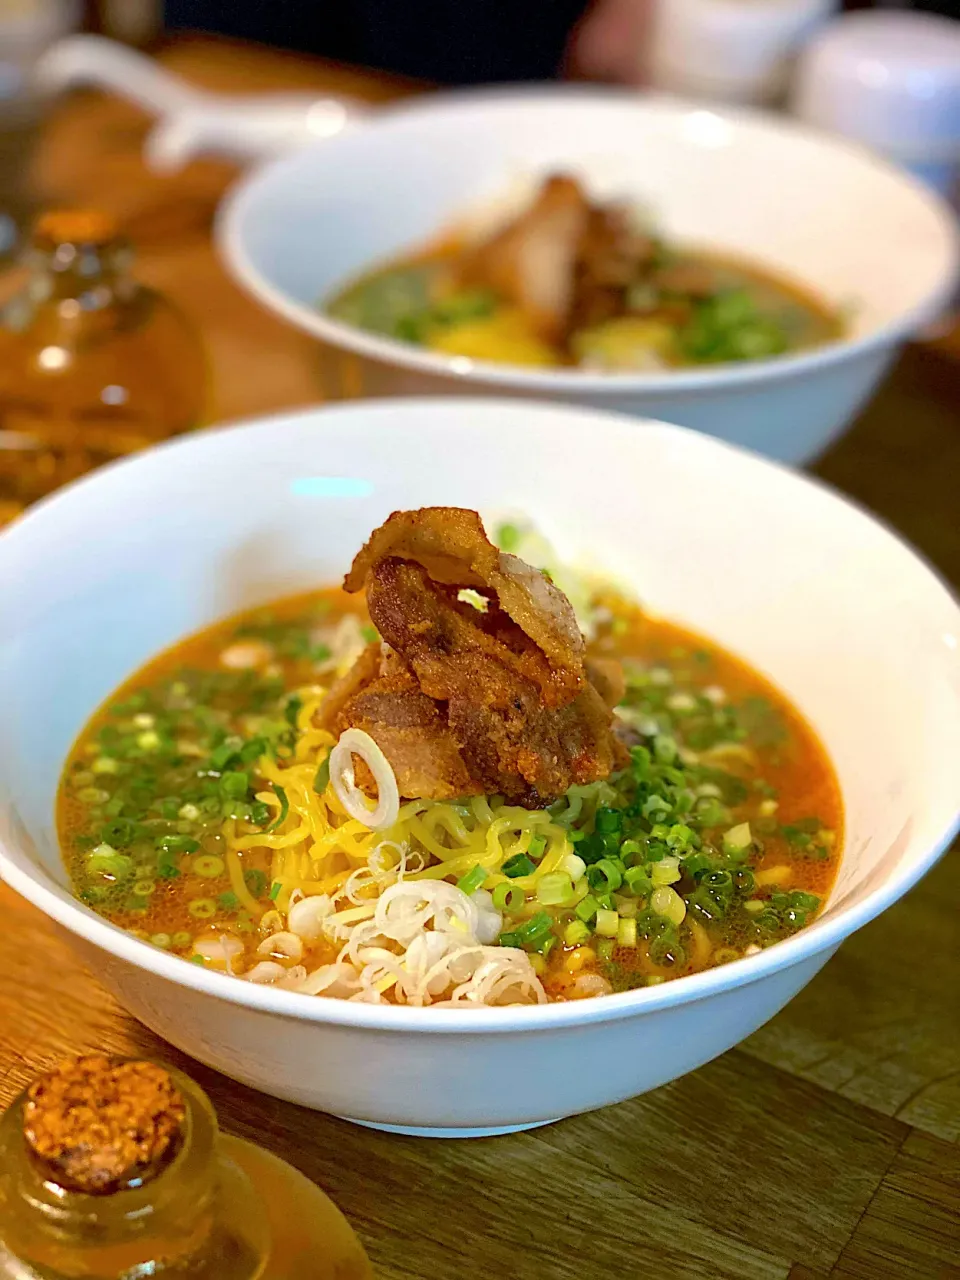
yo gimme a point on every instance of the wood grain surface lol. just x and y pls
(826, 1145)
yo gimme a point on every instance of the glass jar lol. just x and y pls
(93, 364)
(113, 1169)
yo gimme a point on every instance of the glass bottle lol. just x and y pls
(93, 365)
(114, 1169)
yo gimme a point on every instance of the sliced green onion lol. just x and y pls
(637, 881)
(545, 944)
(235, 783)
(629, 851)
(580, 891)
(682, 838)
(93, 795)
(738, 839)
(161, 940)
(202, 908)
(666, 871)
(143, 888)
(608, 821)
(322, 776)
(256, 881)
(104, 860)
(253, 750)
(607, 924)
(576, 933)
(574, 867)
(711, 813)
(168, 864)
(667, 902)
(509, 898)
(208, 865)
(275, 890)
(627, 933)
(178, 844)
(605, 875)
(284, 808)
(221, 756)
(586, 909)
(518, 865)
(605, 948)
(536, 846)
(182, 939)
(555, 889)
(804, 901)
(535, 927)
(473, 879)
(743, 879)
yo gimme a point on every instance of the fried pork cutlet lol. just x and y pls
(465, 700)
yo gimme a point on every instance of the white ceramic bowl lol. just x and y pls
(820, 210)
(844, 617)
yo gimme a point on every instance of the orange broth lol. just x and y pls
(163, 768)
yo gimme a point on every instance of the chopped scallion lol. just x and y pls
(518, 865)
(555, 889)
(508, 898)
(284, 808)
(607, 923)
(586, 909)
(473, 879)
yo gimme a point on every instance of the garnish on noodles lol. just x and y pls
(442, 786)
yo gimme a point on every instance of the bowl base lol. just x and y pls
(415, 1131)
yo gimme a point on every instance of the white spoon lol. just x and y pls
(192, 121)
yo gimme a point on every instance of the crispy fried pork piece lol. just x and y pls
(606, 676)
(612, 256)
(451, 545)
(468, 701)
(530, 261)
(695, 279)
(410, 729)
(512, 743)
(364, 671)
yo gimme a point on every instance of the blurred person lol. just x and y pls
(447, 41)
(461, 41)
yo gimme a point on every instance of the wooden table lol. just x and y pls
(826, 1145)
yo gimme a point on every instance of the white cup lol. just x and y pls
(892, 81)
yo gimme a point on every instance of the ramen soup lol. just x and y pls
(469, 805)
(570, 283)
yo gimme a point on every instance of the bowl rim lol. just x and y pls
(821, 936)
(229, 237)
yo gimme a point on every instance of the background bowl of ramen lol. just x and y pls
(848, 622)
(858, 234)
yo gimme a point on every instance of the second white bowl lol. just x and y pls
(862, 235)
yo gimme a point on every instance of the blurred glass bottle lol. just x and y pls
(111, 1169)
(93, 365)
(27, 28)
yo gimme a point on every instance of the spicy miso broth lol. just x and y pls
(197, 810)
(579, 284)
